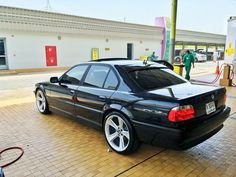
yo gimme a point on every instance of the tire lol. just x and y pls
(120, 134)
(177, 59)
(41, 102)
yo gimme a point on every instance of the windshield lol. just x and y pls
(155, 78)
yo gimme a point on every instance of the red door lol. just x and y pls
(51, 55)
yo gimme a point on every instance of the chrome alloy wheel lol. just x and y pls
(41, 101)
(117, 133)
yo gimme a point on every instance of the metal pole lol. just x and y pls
(173, 29)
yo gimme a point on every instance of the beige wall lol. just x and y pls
(27, 49)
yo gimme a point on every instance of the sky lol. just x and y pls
(196, 15)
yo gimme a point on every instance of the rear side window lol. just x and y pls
(96, 76)
(74, 75)
(111, 81)
(154, 78)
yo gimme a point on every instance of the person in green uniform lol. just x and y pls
(152, 57)
(188, 61)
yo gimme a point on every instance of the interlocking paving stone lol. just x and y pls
(59, 146)
(233, 116)
(214, 157)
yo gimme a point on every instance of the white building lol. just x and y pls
(230, 56)
(25, 34)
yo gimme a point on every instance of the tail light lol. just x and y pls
(225, 98)
(181, 113)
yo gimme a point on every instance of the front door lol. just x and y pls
(130, 51)
(62, 95)
(98, 86)
(3, 61)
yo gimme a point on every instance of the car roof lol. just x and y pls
(126, 62)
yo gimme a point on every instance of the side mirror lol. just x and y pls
(54, 80)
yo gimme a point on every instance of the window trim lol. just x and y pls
(101, 64)
(106, 78)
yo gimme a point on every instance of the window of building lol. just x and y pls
(2, 50)
(3, 63)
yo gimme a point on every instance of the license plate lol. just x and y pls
(210, 107)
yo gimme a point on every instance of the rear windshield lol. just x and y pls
(155, 78)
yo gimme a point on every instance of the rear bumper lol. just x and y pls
(201, 59)
(181, 138)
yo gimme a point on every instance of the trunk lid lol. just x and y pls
(196, 95)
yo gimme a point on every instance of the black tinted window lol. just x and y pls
(74, 75)
(111, 81)
(154, 78)
(96, 76)
(2, 51)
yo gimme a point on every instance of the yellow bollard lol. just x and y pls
(226, 80)
(178, 69)
(143, 57)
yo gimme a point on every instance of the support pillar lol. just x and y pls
(173, 29)
(208, 56)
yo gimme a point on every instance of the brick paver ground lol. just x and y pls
(60, 146)
(215, 157)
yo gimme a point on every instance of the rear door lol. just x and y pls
(62, 94)
(98, 86)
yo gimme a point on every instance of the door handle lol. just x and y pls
(72, 92)
(102, 97)
(63, 85)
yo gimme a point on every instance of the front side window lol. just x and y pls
(155, 78)
(96, 76)
(74, 76)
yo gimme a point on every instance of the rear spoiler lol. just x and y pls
(166, 63)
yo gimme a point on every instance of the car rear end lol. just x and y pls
(201, 57)
(187, 123)
(198, 118)
(178, 115)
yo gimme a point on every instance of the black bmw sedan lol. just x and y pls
(134, 101)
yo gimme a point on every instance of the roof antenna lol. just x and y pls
(145, 62)
(48, 7)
